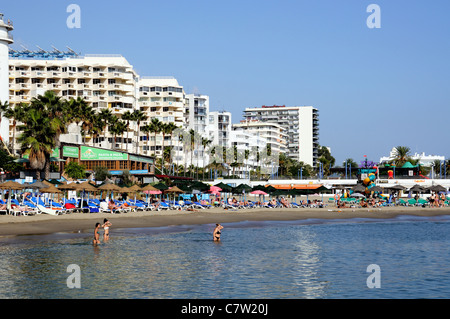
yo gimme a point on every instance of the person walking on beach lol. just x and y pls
(106, 225)
(96, 240)
(216, 233)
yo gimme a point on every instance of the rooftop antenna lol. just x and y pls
(42, 50)
(24, 47)
(72, 50)
(56, 49)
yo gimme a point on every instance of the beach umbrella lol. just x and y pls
(258, 192)
(10, 185)
(358, 188)
(37, 185)
(376, 189)
(174, 190)
(417, 188)
(134, 189)
(397, 187)
(224, 187)
(67, 186)
(85, 187)
(51, 189)
(148, 188)
(214, 189)
(437, 188)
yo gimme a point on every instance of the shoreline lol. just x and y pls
(78, 222)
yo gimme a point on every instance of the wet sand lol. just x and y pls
(75, 222)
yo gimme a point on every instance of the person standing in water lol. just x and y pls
(96, 240)
(216, 233)
(106, 225)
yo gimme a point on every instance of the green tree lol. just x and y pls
(326, 159)
(138, 117)
(101, 173)
(43, 122)
(402, 155)
(127, 116)
(75, 170)
(155, 127)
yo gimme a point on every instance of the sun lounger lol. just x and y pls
(163, 205)
(49, 211)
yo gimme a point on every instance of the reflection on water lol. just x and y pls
(254, 260)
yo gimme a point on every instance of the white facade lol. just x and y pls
(274, 134)
(246, 145)
(104, 81)
(425, 160)
(196, 113)
(5, 40)
(301, 124)
(220, 128)
(160, 97)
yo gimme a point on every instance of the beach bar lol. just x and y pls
(114, 160)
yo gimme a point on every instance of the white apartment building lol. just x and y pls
(247, 144)
(160, 97)
(104, 81)
(220, 128)
(274, 134)
(196, 113)
(5, 40)
(301, 124)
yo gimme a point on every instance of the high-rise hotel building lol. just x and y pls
(104, 81)
(301, 124)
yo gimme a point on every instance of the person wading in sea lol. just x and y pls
(216, 233)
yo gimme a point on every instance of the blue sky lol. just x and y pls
(374, 88)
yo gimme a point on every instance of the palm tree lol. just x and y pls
(146, 129)
(128, 116)
(138, 117)
(171, 127)
(155, 127)
(402, 155)
(164, 129)
(38, 139)
(3, 107)
(117, 127)
(43, 122)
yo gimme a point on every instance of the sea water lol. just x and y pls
(276, 260)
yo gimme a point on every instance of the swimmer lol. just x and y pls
(96, 240)
(106, 225)
(216, 233)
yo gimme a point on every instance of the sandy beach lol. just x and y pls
(79, 222)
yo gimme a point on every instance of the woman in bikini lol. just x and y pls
(96, 240)
(216, 233)
(106, 225)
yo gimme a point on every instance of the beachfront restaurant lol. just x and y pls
(116, 162)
